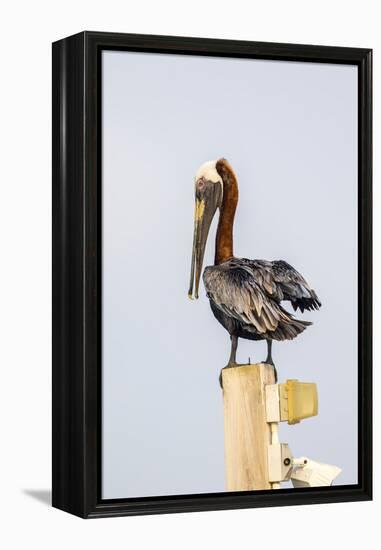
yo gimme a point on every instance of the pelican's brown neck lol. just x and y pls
(224, 238)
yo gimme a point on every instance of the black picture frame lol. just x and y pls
(77, 266)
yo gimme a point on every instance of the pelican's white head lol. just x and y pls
(208, 172)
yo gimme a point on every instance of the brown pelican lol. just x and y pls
(245, 295)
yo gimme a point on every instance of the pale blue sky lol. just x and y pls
(290, 132)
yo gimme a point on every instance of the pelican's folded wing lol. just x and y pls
(294, 287)
(280, 281)
(233, 288)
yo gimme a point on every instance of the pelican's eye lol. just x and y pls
(201, 187)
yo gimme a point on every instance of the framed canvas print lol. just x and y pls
(211, 274)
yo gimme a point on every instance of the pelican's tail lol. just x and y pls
(289, 331)
(289, 328)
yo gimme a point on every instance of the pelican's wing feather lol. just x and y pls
(249, 295)
(280, 281)
(294, 287)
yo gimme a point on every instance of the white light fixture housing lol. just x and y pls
(309, 473)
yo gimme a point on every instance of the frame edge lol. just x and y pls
(68, 421)
(75, 143)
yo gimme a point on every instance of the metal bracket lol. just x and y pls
(280, 462)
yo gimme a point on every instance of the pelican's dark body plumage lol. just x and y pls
(245, 295)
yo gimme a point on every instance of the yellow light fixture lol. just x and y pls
(298, 400)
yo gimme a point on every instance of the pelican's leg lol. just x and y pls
(233, 351)
(269, 359)
(232, 359)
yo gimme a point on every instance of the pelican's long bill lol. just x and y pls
(208, 199)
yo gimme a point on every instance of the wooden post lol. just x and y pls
(247, 434)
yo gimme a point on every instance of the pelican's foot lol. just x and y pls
(228, 366)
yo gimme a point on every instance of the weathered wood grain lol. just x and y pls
(247, 434)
